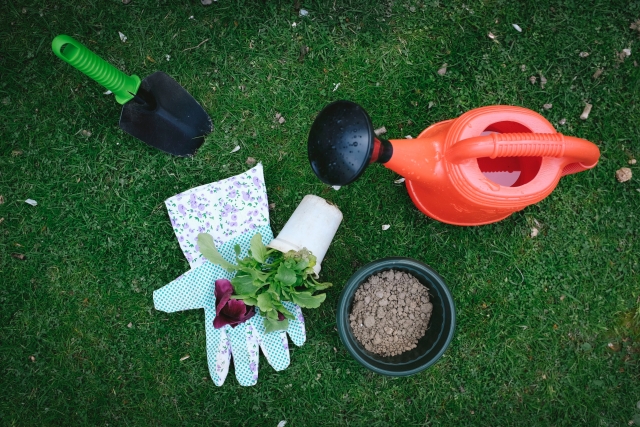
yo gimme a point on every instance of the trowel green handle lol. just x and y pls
(75, 53)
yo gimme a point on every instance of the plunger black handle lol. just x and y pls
(342, 143)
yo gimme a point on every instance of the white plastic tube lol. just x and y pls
(312, 225)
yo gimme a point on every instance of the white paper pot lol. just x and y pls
(312, 226)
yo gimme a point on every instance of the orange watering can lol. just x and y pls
(476, 169)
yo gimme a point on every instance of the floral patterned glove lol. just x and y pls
(232, 211)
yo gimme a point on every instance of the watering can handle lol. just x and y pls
(524, 145)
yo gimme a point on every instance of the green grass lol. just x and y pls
(535, 316)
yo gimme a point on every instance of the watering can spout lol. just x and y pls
(342, 143)
(382, 151)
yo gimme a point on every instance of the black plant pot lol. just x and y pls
(439, 332)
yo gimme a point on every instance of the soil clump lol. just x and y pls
(390, 313)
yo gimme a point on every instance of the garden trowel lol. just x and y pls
(156, 110)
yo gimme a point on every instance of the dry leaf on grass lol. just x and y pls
(250, 161)
(385, 227)
(185, 357)
(443, 70)
(586, 111)
(614, 347)
(517, 27)
(534, 232)
(123, 38)
(31, 202)
(632, 161)
(237, 148)
(336, 187)
(18, 256)
(399, 181)
(533, 79)
(562, 121)
(543, 81)
(303, 51)
(547, 106)
(380, 131)
(584, 54)
(1, 199)
(598, 73)
(623, 174)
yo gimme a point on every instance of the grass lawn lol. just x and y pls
(548, 328)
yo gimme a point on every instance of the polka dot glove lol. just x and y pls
(231, 221)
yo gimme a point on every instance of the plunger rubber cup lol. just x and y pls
(342, 143)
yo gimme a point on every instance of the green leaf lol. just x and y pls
(306, 300)
(257, 275)
(302, 264)
(237, 249)
(312, 260)
(271, 325)
(265, 302)
(209, 251)
(286, 275)
(248, 299)
(321, 286)
(258, 249)
(282, 309)
(245, 285)
(272, 314)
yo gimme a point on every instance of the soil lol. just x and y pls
(390, 313)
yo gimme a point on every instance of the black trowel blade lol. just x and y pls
(176, 124)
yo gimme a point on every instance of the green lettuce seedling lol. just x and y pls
(267, 277)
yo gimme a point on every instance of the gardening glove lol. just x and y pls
(195, 289)
(224, 209)
(232, 211)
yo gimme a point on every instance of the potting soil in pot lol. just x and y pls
(390, 313)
